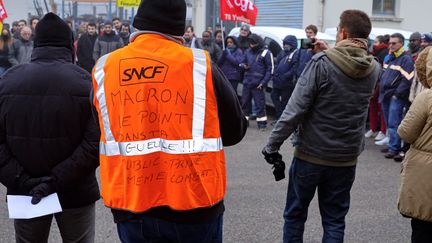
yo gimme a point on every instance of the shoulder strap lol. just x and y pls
(291, 55)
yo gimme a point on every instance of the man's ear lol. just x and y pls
(344, 34)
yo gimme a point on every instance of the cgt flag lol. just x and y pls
(3, 13)
(238, 11)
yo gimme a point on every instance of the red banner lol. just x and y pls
(3, 13)
(238, 11)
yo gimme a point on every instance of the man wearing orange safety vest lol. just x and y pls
(165, 113)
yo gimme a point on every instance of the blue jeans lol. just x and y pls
(147, 229)
(393, 115)
(334, 186)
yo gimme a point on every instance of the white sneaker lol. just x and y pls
(382, 142)
(380, 136)
(370, 134)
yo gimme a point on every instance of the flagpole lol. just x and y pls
(223, 36)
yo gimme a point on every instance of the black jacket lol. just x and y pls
(47, 128)
(85, 51)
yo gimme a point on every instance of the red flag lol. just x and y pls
(3, 13)
(238, 11)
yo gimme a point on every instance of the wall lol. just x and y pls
(199, 17)
(410, 16)
(332, 10)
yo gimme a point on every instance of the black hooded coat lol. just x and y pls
(46, 123)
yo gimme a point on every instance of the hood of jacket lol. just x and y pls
(423, 67)
(233, 38)
(354, 61)
(256, 39)
(290, 40)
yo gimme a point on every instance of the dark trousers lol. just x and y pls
(376, 116)
(334, 186)
(75, 225)
(280, 98)
(147, 229)
(421, 231)
(234, 84)
(258, 96)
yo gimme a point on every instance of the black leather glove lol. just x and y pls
(25, 182)
(271, 158)
(40, 191)
(275, 159)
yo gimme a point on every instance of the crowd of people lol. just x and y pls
(246, 59)
(243, 59)
(396, 90)
(91, 41)
(165, 173)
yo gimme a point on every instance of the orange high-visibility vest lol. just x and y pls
(160, 139)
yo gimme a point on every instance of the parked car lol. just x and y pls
(273, 37)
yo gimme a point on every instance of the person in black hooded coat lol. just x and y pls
(48, 137)
(284, 78)
(259, 66)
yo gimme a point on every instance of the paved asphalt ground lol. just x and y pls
(255, 202)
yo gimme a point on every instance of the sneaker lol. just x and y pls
(380, 136)
(384, 150)
(370, 134)
(383, 142)
(390, 155)
(399, 157)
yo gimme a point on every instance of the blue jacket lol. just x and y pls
(229, 63)
(396, 78)
(305, 56)
(286, 69)
(260, 69)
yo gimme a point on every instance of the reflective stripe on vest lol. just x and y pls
(195, 145)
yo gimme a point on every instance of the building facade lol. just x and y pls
(396, 14)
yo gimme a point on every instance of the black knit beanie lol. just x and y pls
(53, 31)
(165, 16)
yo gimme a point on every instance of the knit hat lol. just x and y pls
(427, 37)
(53, 31)
(165, 16)
(245, 27)
(415, 36)
(290, 40)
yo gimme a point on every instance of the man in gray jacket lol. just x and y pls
(328, 111)
(22, 48)
(108, 43)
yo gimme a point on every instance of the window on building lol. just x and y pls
(384, 7)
